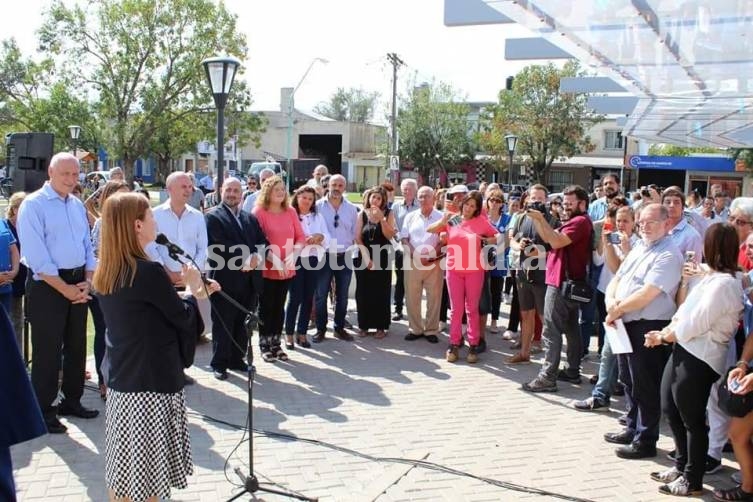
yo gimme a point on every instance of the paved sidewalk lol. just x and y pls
(386, 398)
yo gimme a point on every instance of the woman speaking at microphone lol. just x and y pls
(150, 339)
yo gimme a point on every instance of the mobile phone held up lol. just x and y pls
(614, 238)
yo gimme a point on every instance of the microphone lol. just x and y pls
(172, 249)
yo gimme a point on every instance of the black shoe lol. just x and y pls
(635, 451)
(302, 341)
(671, 455)
(412, 337)
(54, 426)
(622, 420)
(712, 465)
(239, 367)
(727, 448)
(220, 374)
(318, 337)
(481, 347)
(77, 411)
(341, 334)
(431, 338)
(398, 316)
(188, 380)
(623, 437)
(564, 376)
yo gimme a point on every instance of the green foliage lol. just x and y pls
(549, 124)
(433, 129)
(680, 151)
(142, 60)
(349, 105)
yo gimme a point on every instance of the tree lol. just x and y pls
(142, 58)
(681, 151)
(349, 105)
(31, 99)
(433, 129)
(549, 123)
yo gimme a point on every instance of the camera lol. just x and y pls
(536, 206)
(448, 196)
(646, 193)
(614, 238)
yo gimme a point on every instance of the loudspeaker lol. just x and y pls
(28, 155)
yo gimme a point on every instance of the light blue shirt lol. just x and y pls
(55, 233)
(250, 202)
(597, 210)
(6, 242)
(401, 210)
(343, 235)
(687, 238)
(660, 265)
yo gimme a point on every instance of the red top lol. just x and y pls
(579, 230)
(283, 231)
(743, 260)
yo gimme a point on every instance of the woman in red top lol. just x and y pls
(280, 224)
(467, 233)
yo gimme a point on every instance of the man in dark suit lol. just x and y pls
(235, 243)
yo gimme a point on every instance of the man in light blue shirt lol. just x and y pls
(250, 202)
(642, 295)
(687, 238)
(340, 217)
(408, 187)
(57, 248)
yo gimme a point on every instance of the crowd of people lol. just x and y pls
(667, 274)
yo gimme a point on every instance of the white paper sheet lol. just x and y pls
(618, 338)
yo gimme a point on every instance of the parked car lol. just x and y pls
(257, 167)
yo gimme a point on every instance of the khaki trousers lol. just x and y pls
(416, 282)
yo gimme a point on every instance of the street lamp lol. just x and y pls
(511, 141)
(289, 148)
(220, 75)
(75, 133)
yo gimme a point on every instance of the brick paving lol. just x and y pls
(385, 398)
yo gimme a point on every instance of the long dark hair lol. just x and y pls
(299, 191)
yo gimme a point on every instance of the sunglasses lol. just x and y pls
(337, 220)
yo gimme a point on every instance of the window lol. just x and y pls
(558, 180)
(613, 140)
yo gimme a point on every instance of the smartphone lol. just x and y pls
(455, 220)
(614, 238)
(734, 385)
(689, 256)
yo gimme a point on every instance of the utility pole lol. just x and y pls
(396, 62)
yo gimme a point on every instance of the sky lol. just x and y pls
(284, 36)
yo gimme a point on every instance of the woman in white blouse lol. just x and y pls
(308, 266)
(701, 330)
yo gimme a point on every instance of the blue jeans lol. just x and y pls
(607, 374)
(301, 295)
(342, 283)
(588, 311)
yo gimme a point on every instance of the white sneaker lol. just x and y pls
(510, 335)
(493, 327)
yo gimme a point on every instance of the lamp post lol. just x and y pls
(220, 75)
(290, 105)
(511, 141)
(75, 133)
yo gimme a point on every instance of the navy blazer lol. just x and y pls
(21, 418)
(223, 232)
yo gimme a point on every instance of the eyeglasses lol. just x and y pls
(498, 201)
(738, 221)
(337, 220)
(648, 222)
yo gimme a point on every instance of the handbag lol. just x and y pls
(575, 290)
(734, 405)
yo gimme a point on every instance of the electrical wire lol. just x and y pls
(396, 460)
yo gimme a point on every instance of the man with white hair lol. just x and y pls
(408, 187)
(250, 202)
(315, 182)
(57, 248)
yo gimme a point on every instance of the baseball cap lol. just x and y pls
(458, 189)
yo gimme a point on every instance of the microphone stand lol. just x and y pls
(250, 481)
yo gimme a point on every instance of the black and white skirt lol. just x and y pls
(147, 447)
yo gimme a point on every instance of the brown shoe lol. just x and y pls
(518, 359)
(472, 356)
(452, 353)
(341, 334)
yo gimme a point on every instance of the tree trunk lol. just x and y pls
(163, 170)
(128, 166)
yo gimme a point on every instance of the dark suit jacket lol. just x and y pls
(151, 333)
(223, 233)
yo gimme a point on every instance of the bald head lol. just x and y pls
(63, 173)
(231, 192)
(180, 188)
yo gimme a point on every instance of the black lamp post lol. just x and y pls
(75, 133)
(220, 75)
(512, 141)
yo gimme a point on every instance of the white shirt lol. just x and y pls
(707, 320)
(313, 223)
(599, 259)
(189, 232)
(414, 229)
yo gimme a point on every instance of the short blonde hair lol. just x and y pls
(14, 203)
(265, 195)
